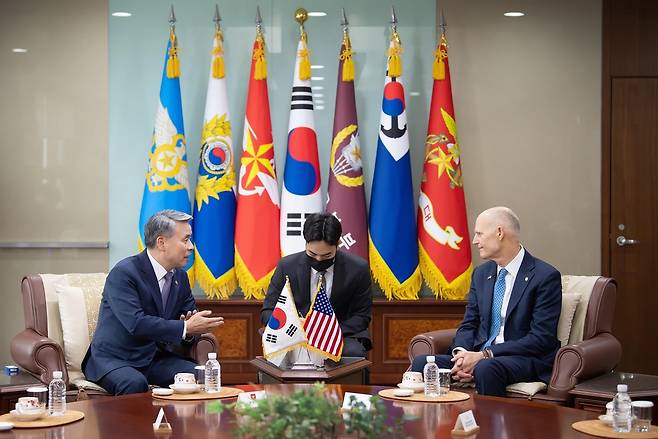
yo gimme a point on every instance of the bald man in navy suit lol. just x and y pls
(509, 331)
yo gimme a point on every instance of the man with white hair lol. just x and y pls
(148, 312)
(509, 331)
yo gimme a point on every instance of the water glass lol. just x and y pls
(642, 415)
(444, 381)
(41, 393)
(200, 375)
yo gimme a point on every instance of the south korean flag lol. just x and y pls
(284, 330)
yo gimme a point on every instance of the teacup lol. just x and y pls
(28, 404)
(184, 378)
(412, 377)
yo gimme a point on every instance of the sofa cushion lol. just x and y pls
(526, 389)
(78, 302)
(569, 304)
(581, 285)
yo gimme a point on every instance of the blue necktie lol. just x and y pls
(496, 307)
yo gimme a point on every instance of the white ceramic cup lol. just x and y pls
(184, 378)
(27, 404)
(412, 377)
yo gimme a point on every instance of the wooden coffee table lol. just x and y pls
(131, 416)
(350, 370)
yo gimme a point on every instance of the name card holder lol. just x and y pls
(465, 424)
(161, 426)
(358, 397)
(250, 398)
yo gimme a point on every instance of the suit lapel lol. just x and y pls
(338, 279)
(303, 294)
(151, 280)
(487, 297)
(523, 278)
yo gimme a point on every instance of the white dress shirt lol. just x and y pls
(160, 273)
(328, 281)
(512, 271)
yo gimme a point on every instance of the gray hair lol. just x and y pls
(162, 223)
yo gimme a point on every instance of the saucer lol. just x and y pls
(416, 387)
(6, 426)
(161, 391)
(606, 419)
(27, 417)
(184, 388)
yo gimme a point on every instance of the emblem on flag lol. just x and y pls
(166, 180)
(214, 219)
(445, 258)
(393, 241)
(257, 248)
(346, 198)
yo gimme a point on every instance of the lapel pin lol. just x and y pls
(176, 282)
(526, 278)
(490, 276)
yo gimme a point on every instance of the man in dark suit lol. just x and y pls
(148, 312)
(347, 282)
(509, 331)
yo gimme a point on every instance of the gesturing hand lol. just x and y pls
(201, 322)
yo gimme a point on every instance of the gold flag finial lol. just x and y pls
(441, 52)
(395, 49)
(173, 64)
(260, 68)
(346, 53)
(218, 47)
(305, 61)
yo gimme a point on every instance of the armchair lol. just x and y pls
(588, 347)
(61, 313)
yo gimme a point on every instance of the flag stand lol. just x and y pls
(307, 363)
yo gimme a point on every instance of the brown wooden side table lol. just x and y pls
(593, 395)
(350, 370)
(14, 387)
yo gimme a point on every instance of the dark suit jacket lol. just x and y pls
(532, 314)
(351, 292)
(132, 326)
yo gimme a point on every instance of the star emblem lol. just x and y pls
(256, 159)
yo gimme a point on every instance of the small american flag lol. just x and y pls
(321, 327)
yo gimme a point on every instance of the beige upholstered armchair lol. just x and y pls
(61, 311)
(585, 331)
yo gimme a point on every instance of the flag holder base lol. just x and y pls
(304, 361)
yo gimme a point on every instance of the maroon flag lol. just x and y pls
(346, 198)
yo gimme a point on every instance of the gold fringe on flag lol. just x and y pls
(394, 52)
(439, 65)
(215, 288)
(305, 61)
(251, 288)
(391, 287)
(442, 289)
(346, 57)
(173, 64)
(218, 56)
(260, 69)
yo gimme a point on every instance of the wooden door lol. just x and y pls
(633, 231)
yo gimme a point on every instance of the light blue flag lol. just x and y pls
(166, 178)
(393, 246)
(214, 208)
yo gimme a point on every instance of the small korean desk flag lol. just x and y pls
(284, 330)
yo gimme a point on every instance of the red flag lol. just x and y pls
(257, 248)
(443, 238)
(322, 328)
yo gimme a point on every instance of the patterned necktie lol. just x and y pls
(321, 279)
(496, 307)
(166, 288)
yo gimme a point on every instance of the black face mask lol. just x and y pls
(320, 265)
